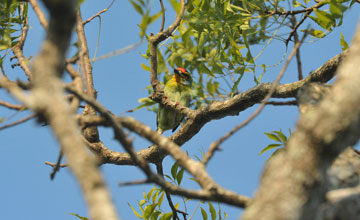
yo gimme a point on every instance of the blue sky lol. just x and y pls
(26, 189)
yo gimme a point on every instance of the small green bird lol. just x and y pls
(177, 89)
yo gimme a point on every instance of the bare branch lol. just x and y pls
(98, 14)
(298, 57)
(54, 164)
(294, 12)
(11, 106)
(90, 133)
(214, 192)
(40, 14)
(47, 99)
(18, 122)
(57, 166)
(18, 50)
(294, 102)
(163, 16)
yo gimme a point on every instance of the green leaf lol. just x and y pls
(155, 215)
(142, 202)
(148, 196)
(145, 67)
(135, 212)
(212, 211)
(204, 214)
(336, 9)
(315, 33)
(137, 7)
(166, 216)
(269, 147)
(273, 137)
(323, 19)
(155, 196)
(180, 175)
(176, 5)
(80, 217)
(149, 209)
(161, 199)
(343, 43)
(282, 137)
(146, 103)
(174, 169)
(154, 17)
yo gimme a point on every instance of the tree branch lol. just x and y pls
(291, 185)
(47, 100)
(213, 191)
(215, 145)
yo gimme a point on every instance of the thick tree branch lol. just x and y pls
(198, 118)
(291, 186)
(90, 133)
(48, 101)
(212, 190)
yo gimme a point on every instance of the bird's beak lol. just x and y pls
(176, 72)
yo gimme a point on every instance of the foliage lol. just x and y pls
(12, 17)
(279, 138)
(218, 39)
(150, 206)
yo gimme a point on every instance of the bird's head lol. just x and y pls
(182, 76)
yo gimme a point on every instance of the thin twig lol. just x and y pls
(286, 13)
(137, 182)
(54, 164)
(163, 16)
(57, 165)
(297, 26)
(293, 102)
(120, 51)
(298, 58)
(99, 13)
(215, 145)
(11, 106)
(18, 122)
(160, 171)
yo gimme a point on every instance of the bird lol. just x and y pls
(177, 89)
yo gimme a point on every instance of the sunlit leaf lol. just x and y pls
(149, 209)
(148, 196)
(273, 137)
(212, 211)
(135, 212)
(204, 214)
(343, 43)
(269, 147)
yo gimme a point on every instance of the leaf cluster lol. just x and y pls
(12, 17)
(279, 138)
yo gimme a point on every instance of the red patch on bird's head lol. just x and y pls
(181, 69)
